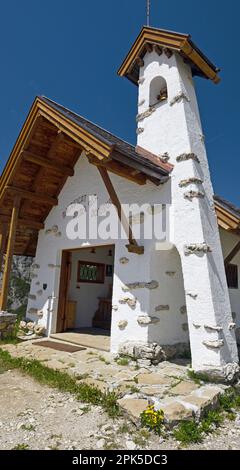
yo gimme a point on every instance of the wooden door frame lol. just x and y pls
(64, 283)
(63, 290)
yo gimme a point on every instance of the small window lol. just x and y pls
(90, 272)
(232, 276)
(158, 91)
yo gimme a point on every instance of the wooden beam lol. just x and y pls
(3, 239)
(232, 254)
(114, 167)
(46, 163)
(168, 52)
(32, 241)
(9, 254)
(139, 62)
(23, 222)
(149, 47)
(36, 197)
(158, 49)
(114, 198)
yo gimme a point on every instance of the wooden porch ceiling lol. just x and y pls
(44, 156)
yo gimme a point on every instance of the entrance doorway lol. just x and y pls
(85, 291)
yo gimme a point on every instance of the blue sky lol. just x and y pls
(70, 50)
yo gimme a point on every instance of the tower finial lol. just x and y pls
(148, 12)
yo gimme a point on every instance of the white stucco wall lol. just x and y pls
(87, 294)
(87, 181)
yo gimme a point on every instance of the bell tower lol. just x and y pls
(162, 64)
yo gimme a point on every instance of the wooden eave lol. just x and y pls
(226, 219)
(178, 42)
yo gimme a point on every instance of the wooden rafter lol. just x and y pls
(133, 246)
(3, 239)
(23, 222)
(33, 196)
(117, 168)
(46, 163)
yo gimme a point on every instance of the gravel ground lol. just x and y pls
(34, 416)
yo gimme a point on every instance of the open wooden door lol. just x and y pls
(63, 291)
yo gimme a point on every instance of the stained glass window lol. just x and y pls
(91, 272)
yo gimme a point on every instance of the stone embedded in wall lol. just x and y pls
(32, 297)
(185, 326)
(140, 285)
(170, 273)
(183, 309)
(123, 260)
(196, 248)
(141, 102)
(115, 308)
(139, 130)
(192, 295)
(162, 308)
(39, 292)
(190, 195)
(147, 320)
(33, 276)
(33, 311)
(187, 156)
(122, 324)
(164, 157)
(196, 325)
(143, 351)
(187, 181)
(215, 344)
(53, 230)
(179, 97)
(128, 300)
(232, 326)
(37, 283)
(146, 114)
(213, 327)
(35, 266)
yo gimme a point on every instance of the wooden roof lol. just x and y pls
(228, 215)
(182, 43)
(45, 153)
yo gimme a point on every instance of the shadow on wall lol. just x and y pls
(169, 324)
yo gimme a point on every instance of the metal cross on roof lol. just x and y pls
(148, 12)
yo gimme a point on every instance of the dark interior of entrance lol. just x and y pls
(87, 275)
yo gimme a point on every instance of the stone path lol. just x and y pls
(166, 385)
(34, 416)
